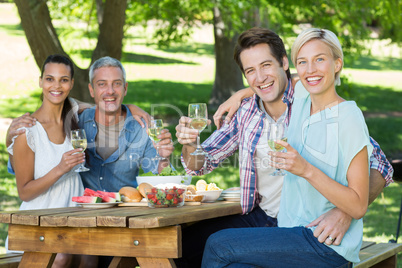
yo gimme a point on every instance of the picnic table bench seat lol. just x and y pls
(382, 255)
(10, 260)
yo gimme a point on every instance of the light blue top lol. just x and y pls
(328, 140)
(121, 168)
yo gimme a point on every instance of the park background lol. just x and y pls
(165, 76)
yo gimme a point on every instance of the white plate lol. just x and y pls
(230, 194)
(154, 180)
(232, 199)
(98, 205)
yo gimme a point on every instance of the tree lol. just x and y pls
(228, 77)
(348, 19)
(43, 39)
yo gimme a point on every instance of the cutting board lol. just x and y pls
(145, 204)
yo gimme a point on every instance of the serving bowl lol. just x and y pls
(166, 195)
(211, 195)
(155, 180)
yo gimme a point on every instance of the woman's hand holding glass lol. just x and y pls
(277, 131)
(79, 140)
(290, 160)
(70, 159)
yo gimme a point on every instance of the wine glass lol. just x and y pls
(277, 131)
(199, 114)
(79, 140)
(154, 129)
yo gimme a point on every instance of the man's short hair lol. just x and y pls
(256, 36)
(105, 62)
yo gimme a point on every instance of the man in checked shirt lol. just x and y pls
(269, 99)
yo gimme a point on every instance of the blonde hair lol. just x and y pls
(325, 36)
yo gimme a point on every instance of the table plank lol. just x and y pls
(31, 217)
(5, 216)
(113, 217)
(82, 217)
(173, 216)
(152, 243)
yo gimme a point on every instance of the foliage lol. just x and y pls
(348, 19)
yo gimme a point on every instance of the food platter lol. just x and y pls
(97, 205)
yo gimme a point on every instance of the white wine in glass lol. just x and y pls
(79, 140)
(154, 129)
(198, 113)
(277, 131)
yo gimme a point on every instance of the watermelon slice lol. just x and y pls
(87, 199)
(114, 195)
(90, 192)
(106, 199)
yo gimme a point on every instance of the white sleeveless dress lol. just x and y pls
(48, 156)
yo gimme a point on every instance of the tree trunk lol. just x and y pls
(43, 40)
(111, 32)
(228, 77)
(99, 11)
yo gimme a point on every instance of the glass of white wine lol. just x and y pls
(154, 129)
(79, 140)
(198, 113)
(277, 131)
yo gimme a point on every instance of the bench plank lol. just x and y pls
(10, 260)
(383, 254)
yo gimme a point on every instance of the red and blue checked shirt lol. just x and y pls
(243, 133)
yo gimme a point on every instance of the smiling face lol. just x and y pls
(108, 89)
(317, 67)
(264, 74)
(56, 82)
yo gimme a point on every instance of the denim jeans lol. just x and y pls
(195, 236)
(269, 247)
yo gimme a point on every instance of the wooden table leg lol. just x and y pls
(155, 262)
(37, 259)
(123, 262)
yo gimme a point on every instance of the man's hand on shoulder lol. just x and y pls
(139, 114)
(331, 226)
(25, 120)
(230, 106)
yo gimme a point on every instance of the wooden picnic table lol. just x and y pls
(151, 235)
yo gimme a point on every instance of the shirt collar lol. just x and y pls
(288, 94)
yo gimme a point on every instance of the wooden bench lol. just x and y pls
(378, 255)
(10, 260)
(382, 255)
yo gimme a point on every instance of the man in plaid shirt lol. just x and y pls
(269, 99)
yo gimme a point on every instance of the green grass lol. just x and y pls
(164, 81)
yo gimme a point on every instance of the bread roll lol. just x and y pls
(191, 188)
(130, 194)
(143, 187)
(193, 198)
